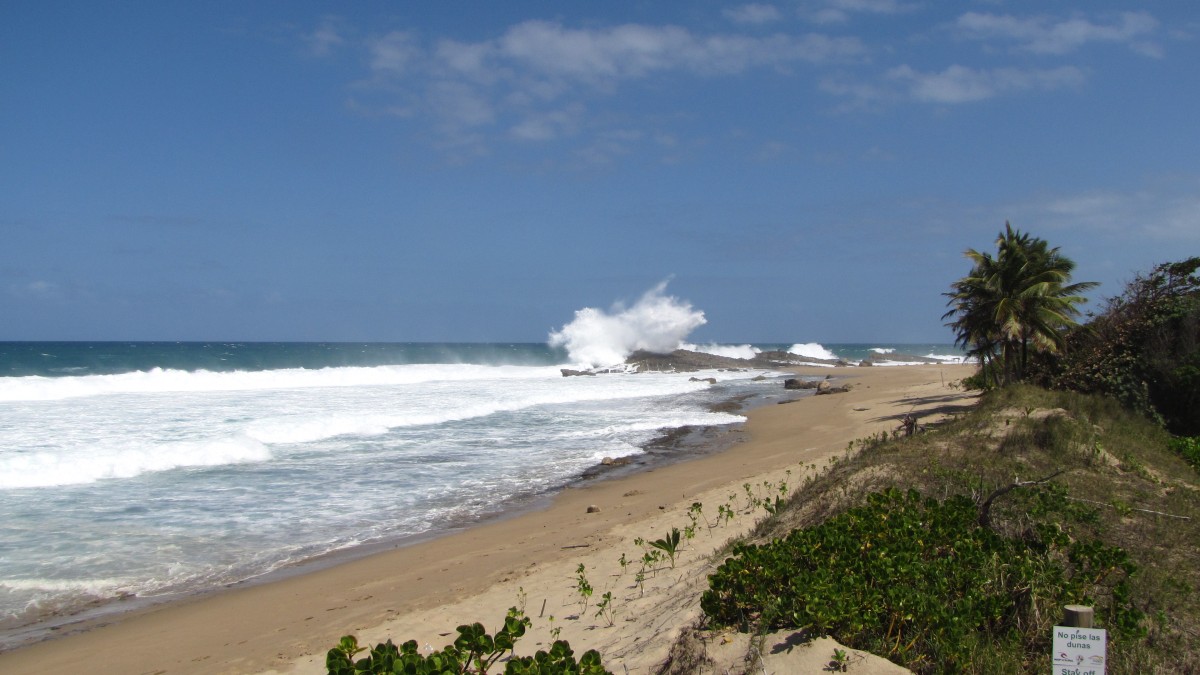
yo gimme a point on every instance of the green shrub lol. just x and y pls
(1143, 349)
(474, 651)
(920, 582)
(1189, 449)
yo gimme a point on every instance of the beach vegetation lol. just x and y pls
(1014, 303)
(919, 581)
(696, 513)
(955, 549)
(582, 586)
(724, 514)
(840, 662)
(669, 545)
(1142, 349)
(605, 608)
(1189, 449)
(650, 560)
(474, 652)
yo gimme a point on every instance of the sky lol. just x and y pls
(801, 170)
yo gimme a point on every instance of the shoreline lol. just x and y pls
(287, 624)
(675, 445)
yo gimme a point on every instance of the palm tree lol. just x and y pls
(1017, 301)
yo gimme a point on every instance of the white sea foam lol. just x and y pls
(812, 350)
(157, 380)
(97, 587)
(730, 351)
(656, 322)
(883, 350)
(73, 441)
(949, 358)
(72, 467)
(166, 481)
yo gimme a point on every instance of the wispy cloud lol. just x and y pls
(953, 85)
(634, 51)
(959, 84)
(1167, 210)
(536, 80)
(753, 14)
(36, 290)
(1048, 35)
(326, 37)
(392, 54)
(841, 11)
(549, 125)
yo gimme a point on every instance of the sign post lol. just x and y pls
(1079, 650)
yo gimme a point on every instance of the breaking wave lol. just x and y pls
(656, 322)
(812, 350)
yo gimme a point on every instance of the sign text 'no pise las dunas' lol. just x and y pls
(1079, 651)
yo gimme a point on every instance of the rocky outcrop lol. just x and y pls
(684, 361)
(826, 388)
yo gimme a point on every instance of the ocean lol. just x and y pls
(146, 471)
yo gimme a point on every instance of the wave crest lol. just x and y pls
(656, 322)
(812, 350)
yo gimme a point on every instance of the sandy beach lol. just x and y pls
(424, 591)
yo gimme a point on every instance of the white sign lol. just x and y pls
(1079, 651)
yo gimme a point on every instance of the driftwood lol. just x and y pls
(985, 509)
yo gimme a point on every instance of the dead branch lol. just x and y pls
(985, 509)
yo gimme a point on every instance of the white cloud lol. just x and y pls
(534, 81)
(858, 95)
(460, 105)
(840, 11)
(1167, 210)
(753, 14)
(549, 125)
(467, 60)
(1046, 35)
(633, 51)
(393, 53)
(326, 37)
(36, 290)
(959, 84)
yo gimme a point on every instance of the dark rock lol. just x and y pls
(797, 383)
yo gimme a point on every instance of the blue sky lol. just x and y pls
(477, 171)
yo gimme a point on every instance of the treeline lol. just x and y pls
(1143, 349)
(1016, 313)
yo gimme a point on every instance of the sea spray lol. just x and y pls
(656, 322)
(812, 350)
(730, 351)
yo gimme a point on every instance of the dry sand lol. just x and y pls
(424, 591)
